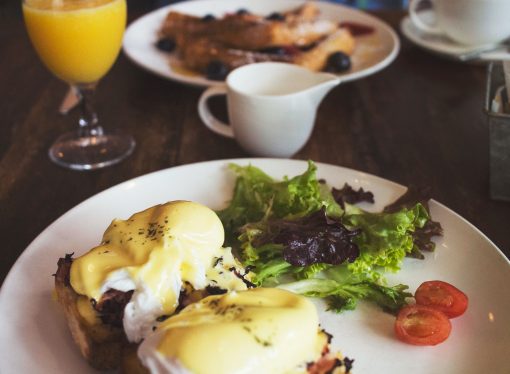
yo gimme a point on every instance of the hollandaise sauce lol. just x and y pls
(154, 252)
(260, 330)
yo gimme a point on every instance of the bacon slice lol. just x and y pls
(330, 364)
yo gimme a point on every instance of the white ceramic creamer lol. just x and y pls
(271, 106)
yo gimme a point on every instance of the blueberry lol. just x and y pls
(275, 16)
(338, 62)
(208, 18)
(166, 44)
(216, 71)
(279, 51)
(242, 11)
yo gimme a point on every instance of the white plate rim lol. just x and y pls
(199, 81)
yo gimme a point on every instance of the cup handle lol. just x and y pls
(419, 23)
(208, 118)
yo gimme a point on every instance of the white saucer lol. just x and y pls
(444, 46)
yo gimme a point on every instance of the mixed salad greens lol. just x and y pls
(301, 235)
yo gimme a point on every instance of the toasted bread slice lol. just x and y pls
(247, 31)
(178, 23)
(130, 363)
(99, 343)
(272, 33)
(198, 53)
(316, 58)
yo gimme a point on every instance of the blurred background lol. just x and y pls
(10, 8)
(363, 4)
(375, 4)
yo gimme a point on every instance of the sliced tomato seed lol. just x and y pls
(421, 324)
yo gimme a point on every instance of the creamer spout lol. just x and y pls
(325, 83)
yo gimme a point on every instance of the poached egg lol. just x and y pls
(262, 330)
(155, 253)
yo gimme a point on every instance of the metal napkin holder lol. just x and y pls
(498, 113)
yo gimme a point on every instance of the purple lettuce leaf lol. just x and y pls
(314, 239)
(349, 195)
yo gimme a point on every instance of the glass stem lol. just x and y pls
(89, 124)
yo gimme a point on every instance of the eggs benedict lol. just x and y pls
(146, 268)
(260, 330)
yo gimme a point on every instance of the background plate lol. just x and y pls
(444, 46)
(35, 338)
(373, 52)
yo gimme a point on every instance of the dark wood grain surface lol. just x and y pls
(420, 121)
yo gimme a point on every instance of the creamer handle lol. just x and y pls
(208, 118)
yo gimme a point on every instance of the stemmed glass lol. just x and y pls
(79, 40)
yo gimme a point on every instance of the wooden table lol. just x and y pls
(420, 121)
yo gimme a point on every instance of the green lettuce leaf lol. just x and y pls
(344, 296)
(257, 196)
(385, 238)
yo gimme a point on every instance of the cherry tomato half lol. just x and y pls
(443, 297)
(422, 325)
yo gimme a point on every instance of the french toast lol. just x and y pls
(199, 52)
(299, 27)
(315, 58)
(297, 36)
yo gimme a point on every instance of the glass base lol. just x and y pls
(75, 151)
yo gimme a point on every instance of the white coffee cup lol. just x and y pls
(271, 107)
(468, 22)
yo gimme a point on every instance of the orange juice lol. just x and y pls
(77, 40)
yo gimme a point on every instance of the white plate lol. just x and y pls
(35, 338)
(373, 52)
(444, 46)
